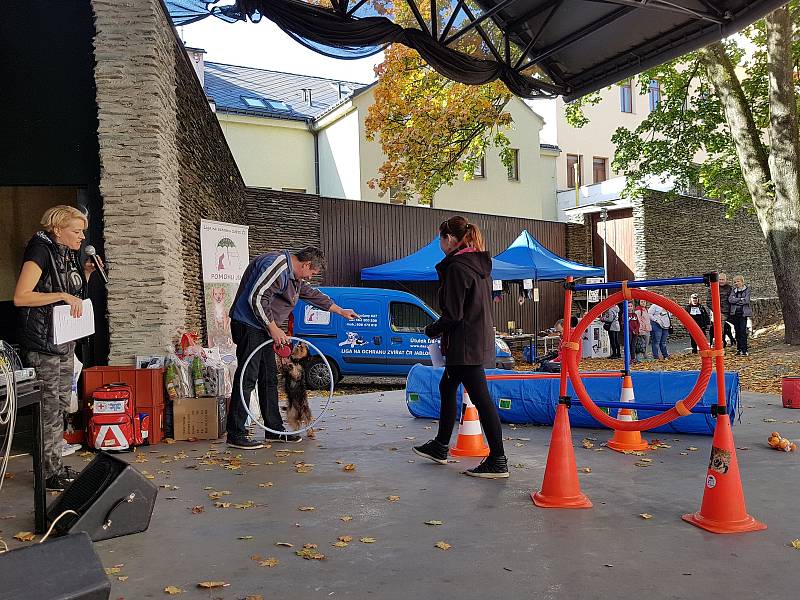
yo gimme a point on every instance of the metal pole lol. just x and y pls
(627, 336)
(604, 215)
(565, 335)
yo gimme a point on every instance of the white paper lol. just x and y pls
(527, 284)
(436, 354)
(66, 328)
(497, 285)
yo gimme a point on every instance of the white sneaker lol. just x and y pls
(69, 449)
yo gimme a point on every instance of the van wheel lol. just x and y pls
(317, 376)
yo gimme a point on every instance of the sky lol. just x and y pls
(263, 45)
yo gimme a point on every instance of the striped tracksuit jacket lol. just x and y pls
(269, 291)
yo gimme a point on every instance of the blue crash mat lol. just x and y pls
(534, 401)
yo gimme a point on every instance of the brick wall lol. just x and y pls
(164, 165)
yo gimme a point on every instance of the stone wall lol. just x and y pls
(210, 184)
(282, 220)
(579, 241)
(692, 236)
(163, 164)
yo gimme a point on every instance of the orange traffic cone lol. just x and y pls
(561, 488)
(723, 509)
(627, 440)
(470, 440)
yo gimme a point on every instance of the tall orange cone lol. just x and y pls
(627, 440)
(561, 488)
(723, 509)
(470, 440)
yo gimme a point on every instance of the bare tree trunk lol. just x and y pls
(783, 237)
(777, 213)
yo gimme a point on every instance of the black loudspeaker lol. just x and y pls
(111, 499)
(65, 568)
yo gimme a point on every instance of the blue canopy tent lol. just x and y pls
(540, 264)
(527, 253)
(421, 266)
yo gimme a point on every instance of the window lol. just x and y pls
(626, 97)
(278, 105)
(408, 318)
(295, 190)
(480, 168)
(572, 161)
(599, 169)
(513, 169)
(654, 94)
(254, 102)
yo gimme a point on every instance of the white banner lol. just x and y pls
(225, 254)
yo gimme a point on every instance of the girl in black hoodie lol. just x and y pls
(466, 329)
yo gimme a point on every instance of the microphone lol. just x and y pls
(92, 253)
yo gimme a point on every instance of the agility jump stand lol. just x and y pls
(723, 508)
(561, 488)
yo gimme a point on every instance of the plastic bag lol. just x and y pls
(77, 367)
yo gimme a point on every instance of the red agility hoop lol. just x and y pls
(682, 407)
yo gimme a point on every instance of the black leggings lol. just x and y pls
(474, 379)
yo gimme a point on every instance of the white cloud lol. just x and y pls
(263, 45)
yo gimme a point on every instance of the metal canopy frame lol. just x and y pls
(700, 22)
(540, 47)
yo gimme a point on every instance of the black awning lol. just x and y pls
(537, 47)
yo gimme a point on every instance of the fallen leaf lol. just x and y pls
(349, 467)
(586, 443)
(25, 536)
(340, 544)
(442, 545)
(112, 570)
(256, 597)
(586, 470)
(434, 522)
(646, 515)
(222, 504)
(770, 420)
(268, 562)
(393, 498)
(172, 590)
(212, 584)
(10, 475)
(367, 540)
(266, 484)
(122, 578)
(310, 552)
(796, 544)
(198, 509)
(346, 518)
(245, 505)
(692, 449)
(284, 544)
(245, 537)
(305, 508)
(149, 476)
(168, 441)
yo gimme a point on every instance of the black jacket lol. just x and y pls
(35, 324)
(702, 319)
(465, 301)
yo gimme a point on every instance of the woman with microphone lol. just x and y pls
(52, 275)
(465, 299)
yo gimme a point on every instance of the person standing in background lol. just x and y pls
(610, 320)
(659, 320)
(725, 290)
(699, 313)
(645, 328)
(740, 309)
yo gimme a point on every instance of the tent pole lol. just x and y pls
(535, 318)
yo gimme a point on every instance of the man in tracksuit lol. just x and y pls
(270, 288)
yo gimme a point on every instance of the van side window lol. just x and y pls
(408, 318)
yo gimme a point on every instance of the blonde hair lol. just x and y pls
(58, 217)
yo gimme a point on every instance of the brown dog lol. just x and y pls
(298, 413)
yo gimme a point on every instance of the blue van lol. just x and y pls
(387, 340)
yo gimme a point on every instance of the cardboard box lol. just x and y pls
(199, 418)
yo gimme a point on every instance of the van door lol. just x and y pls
(362, 342)
(408, 344)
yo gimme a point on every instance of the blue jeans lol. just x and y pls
(658, 339)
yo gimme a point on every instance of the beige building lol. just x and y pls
(590, 147)
(307, 134)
